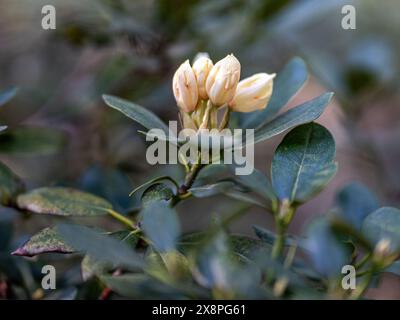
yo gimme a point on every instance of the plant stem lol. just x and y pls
(279, 243)
(122, 219)
(363, 286)
(283, 216)
(363, 261)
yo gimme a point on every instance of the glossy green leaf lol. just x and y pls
(161, 225)
(10, 185)
(304, 113)
(63, 202)
(100, 247)
(287, 82)
(45, 241)
(303, 163)
(212, 189)
(7, 95)
(383, 223)
(141, 115)
(32, 140)
(156, 192)
(355, 202)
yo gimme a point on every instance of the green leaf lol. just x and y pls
(383, 223)
(259, 183)
(248, 247)
(269, 237)
(356, 202)
(140, 286)
(45, 241)
(303, 163)
(91, 267)
(304, 113)
(100, 247)
(288, 81)
(63, 202)
(32, 140)
(243, 197)
(160, 223)
(141, 115)
(212, 189)
(215, 266)
(156, 192)
(6, 229)
(153, 181)
(10, 185)
(7, 95)
(326, 252)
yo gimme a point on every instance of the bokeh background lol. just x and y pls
(132, 48)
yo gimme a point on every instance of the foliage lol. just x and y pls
(151, 258)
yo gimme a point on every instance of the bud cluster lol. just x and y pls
(200, 90)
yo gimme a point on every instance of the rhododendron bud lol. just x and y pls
(202, 67)
(253, 93)
(222, 80)
(184, 85)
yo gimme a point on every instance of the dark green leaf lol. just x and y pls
(269, 236)
(7, 95)
(288, 81)
(63, 202)
(140, 286)
(303, 163)
(259, 183)
(100, 247)
(32, 140)
(110, 183)
(10, 185)
(304, 113)
(160, 223)
(211, 189)
(383, 223)
(156, 192)
(45, 241)
(141, 115)
(326, 252)
(356, 202)
(6, 228)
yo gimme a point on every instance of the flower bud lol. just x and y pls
(184, 86)
(253, 93)
(202, 67)
(222, 80)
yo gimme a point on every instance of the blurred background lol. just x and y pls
(132, 48)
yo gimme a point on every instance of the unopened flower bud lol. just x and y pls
(253, 93)
(202, 67)
(222, 80)
(382, 248)
(184, 85)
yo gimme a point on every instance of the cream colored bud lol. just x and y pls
(253, 93)
(184, 85)
(382, 248)
(222, 80)
(202, 67)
